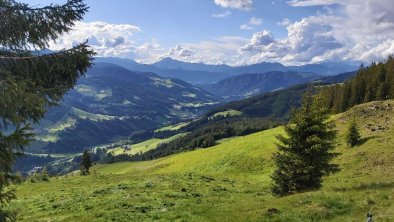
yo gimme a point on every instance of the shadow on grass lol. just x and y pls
(366, 139)
(367, 186)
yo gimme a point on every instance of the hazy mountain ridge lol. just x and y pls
(247, 85)
(200, 73)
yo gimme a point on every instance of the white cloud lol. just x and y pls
(246, 27)
(222, 15)
(181, 52)
(284, 22)
(350, 30)
(303, 3)
(235, 4)
(252, 22)
(218, 50)
(255, 21)
(106, 39)
(258, 42)
(147, 52)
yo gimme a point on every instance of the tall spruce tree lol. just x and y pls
(31, 82)
(305, 154)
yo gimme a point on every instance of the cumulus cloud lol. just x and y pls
(106, 39)
(222, 15)
(349, 30)
(259, 41)
(180, 51)
(219, 50)
(236, 4)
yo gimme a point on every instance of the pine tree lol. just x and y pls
(31, 82)
(353, 134)
(44, 174)
(305, 154)
(86, 163)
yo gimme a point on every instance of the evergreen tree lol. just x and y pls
(353, 134)
(44, 174)
(31, 82)
(86, 163)
(305, 154)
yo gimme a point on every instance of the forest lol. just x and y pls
(375, 82)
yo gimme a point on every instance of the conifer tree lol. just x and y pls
(353, 134)
(31, 82)
(86, 163)
(44, 174)
(305, 154)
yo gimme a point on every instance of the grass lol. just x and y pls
(226, 114)
(228, 182)
(173, 127)
(144, 146)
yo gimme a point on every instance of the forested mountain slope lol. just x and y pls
(112, 102)
(375, 82)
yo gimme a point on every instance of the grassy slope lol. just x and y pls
(173, 127)
(144, 146)
(228, 182)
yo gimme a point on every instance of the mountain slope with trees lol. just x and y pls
(375, 82)
(113, 102)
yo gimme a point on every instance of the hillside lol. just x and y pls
(113, 102)
(228, 182)
(247, 85)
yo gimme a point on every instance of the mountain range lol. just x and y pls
(247, 85)
(199, 73)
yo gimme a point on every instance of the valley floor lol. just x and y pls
(227, 182)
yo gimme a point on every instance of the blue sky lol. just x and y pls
(234, 31)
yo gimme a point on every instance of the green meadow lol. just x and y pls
(227, 182)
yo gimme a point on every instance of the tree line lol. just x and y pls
(375, 82)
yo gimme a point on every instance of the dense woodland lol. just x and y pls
(375, 82)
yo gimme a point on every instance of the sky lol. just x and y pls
(235, 32)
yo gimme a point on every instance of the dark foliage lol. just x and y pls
(86, 163)
(305, 154)
(353, 134)
(375, 82)
(31, 83)
(27, 162)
